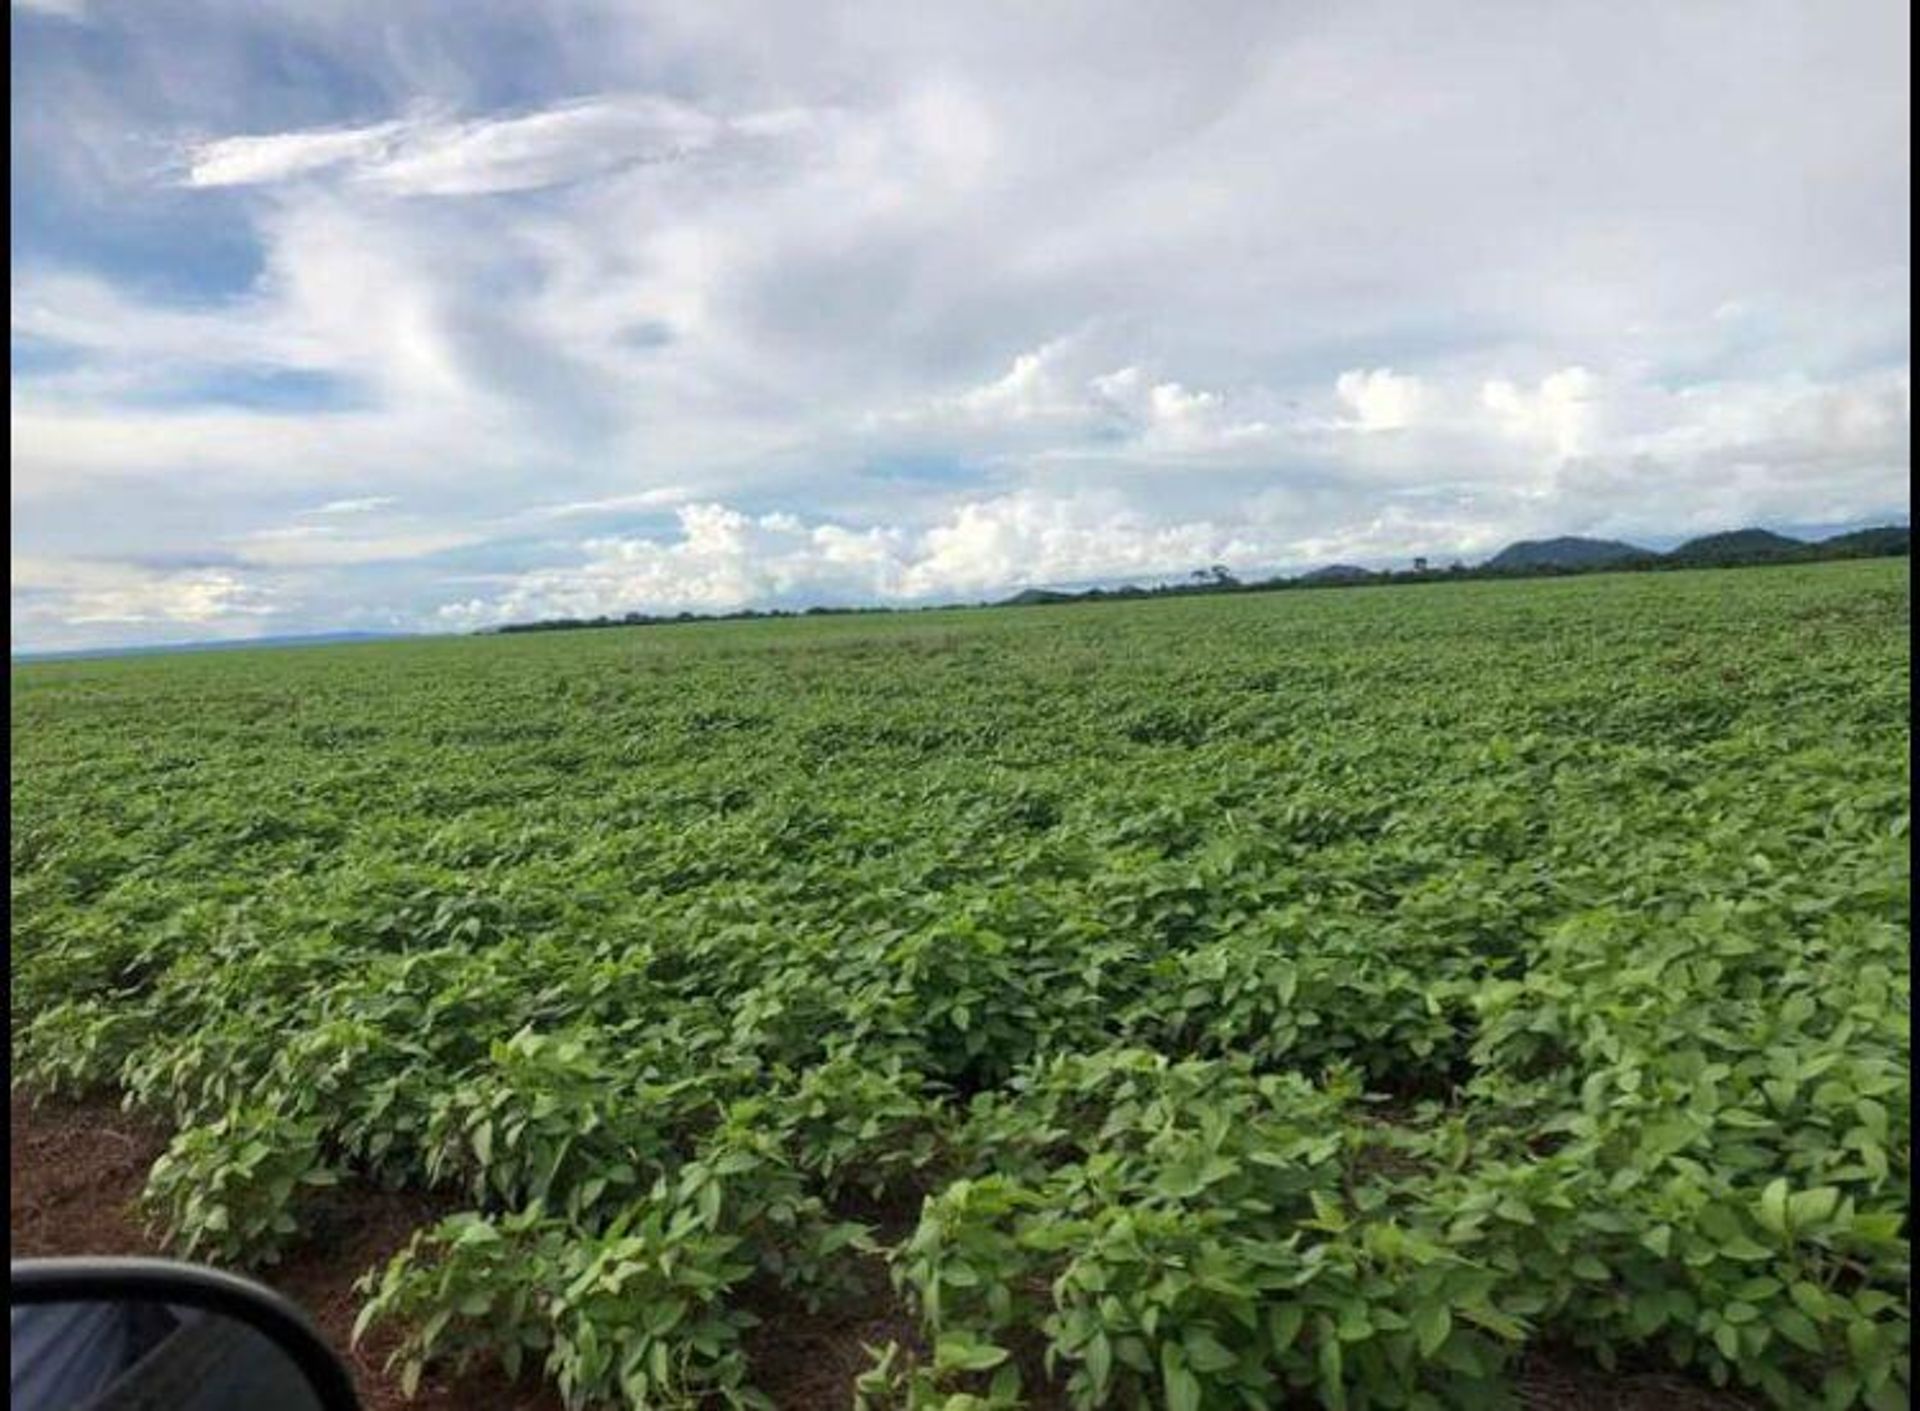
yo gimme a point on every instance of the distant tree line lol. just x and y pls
(1738, 549)
(647, 619)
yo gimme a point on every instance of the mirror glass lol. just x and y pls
(121, 1355)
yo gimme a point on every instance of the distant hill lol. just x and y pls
(1033, 597)
(1882, 540)
(1568, 551)
(1338, 573)
(1738, 546)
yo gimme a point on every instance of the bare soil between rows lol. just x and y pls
(77, 1167)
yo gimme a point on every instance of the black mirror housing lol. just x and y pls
(189, 1336)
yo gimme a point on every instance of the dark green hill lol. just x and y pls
(1568, 551)
(1739, 546)
(1338, 573)
(1882, 541)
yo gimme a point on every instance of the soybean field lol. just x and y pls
(1307, 998)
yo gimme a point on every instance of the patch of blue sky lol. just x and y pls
(261, 389)
(163, 247)
(520, 554)
(120, 211)
(646, 335)
(40, 357)
(947, 472)
(1763, 356)
(185, 561)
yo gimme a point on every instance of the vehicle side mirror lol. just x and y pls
(121, 1334)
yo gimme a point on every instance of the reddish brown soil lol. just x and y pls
(811, 1360)
(77, 1168)
(1561, 1381)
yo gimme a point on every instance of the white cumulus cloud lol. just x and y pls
(1560, 413)
(71, 592)
(723, 558)
(1055, 396)
(1380, 399)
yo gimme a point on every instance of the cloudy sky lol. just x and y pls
(425, 316)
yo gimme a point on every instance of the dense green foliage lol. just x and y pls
(1320, 994)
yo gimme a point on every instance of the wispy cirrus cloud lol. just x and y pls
(365, 505)
(664, 496)
(283, 156)
(431, 155)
